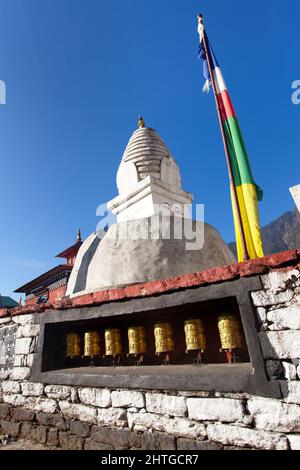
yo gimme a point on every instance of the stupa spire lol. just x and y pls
(142, 124)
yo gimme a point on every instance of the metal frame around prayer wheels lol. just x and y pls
(248, 378)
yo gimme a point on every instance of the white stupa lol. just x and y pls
(135, 250)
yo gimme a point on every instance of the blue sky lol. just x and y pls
(78, 73)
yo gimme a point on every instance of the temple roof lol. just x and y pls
(71, 251)
(7, 302)
(45, 278)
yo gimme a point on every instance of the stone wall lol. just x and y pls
(89, 418)
(8, 332)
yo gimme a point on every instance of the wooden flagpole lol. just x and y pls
(230, 171)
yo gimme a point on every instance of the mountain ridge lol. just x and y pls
(280, 235)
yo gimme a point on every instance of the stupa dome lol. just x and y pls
(117, 261)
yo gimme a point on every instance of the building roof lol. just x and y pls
(7, 302)
(47, 277)
(71, 251)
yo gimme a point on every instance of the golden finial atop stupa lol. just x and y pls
(142, 124)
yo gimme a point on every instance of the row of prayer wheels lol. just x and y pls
(228, 325)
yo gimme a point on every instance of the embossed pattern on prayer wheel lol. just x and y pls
(164, 341)
(113, 343)
(73, 345)
(137, 340)
(230, 332)
(92, 344)
(194, 335)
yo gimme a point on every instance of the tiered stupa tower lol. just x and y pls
(135, 250)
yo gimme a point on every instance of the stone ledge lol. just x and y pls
(215, 409)
(249, 438)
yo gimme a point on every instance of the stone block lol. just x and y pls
(269, 298)
(95, 397)
(244, 437)
(28, 331)
(80, 429)
(10, 428)
(157, 441)
(291, 391)
(79, 412)
(74, 395)
(11, 387)
(285, 318)
(52, 437)
(15, 400)
(280, 280)
(118, 438)
(179, 427)
(112, 417)
(280, 345)
(289, 371)
(29, 359)
(30, 389)
(41, 404)
(4, 374)
(127, 399)
(4, 320)
(28, 432)
(193, 444)
(20, 360)
(69, 442)
(20, 414)
(53, 420)
(24, 319)
(23, 346)
(215, 409)
(58, 392)
(261, 315)
(272, 415)
(91, 444)
(44, 418)
(41, 434)
(294, 441)
(166, 404)
(20, 373)
(4, 411)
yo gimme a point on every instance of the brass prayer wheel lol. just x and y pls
(137, 340)
(194, 335)
(92, 344)
(113, 343)
(164, 341)
(73, 345)
(230, 332)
